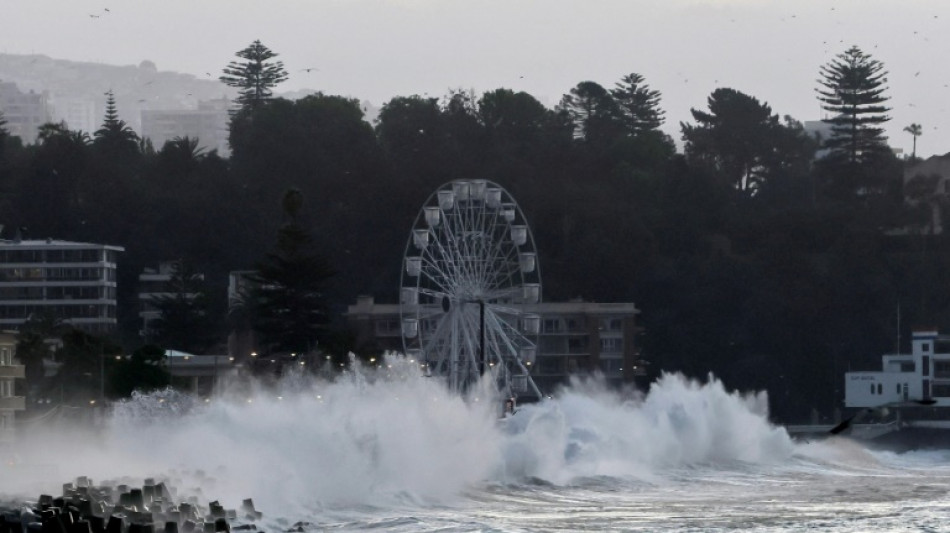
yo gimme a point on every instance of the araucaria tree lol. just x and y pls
(115, 135)
(639, 105)
(255, 76)
(288, 303)
(852, 90)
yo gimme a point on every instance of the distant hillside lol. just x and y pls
(136, 87)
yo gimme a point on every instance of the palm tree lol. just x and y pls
(916, 131)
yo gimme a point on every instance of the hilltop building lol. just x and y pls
(24, 112)
(74, 282)
(575, 337)
(79, 113)
(208, 124)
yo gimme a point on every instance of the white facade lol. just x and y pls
(74, 282)
(209, 124)
(10, 371)
(923, 374)
(24, 112)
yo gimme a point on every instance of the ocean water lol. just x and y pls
(391, 450)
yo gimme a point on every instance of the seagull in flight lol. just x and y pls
(309, 69)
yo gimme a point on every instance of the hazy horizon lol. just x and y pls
(377, 49)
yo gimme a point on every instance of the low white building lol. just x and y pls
(923, 374)
(10, 403)
(74, 282)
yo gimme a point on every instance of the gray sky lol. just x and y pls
(377, 49)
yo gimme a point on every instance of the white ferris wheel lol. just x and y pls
(469, 276)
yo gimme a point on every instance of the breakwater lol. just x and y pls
(84, 507)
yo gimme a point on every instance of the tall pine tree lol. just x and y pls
(852, 90)
(115, 135)
(255, 76)
(639, 105)
(288, 303)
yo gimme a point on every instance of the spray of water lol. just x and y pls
(373, 436)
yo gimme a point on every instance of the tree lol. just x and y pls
(593, 111)
(639, 105)
(32, 347)
(289, 308)
(115, 135)
(255, 76)
(735, 138)
(852, 90)
(916, 131)
(184, 323)
(142, 371)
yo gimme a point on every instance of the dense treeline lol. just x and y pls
(749, 258)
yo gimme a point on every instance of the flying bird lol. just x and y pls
(93, 16)
(107, 9)
(309, 69)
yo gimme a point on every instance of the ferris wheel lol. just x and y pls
(469, 279)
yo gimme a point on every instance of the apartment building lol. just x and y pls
(10, 403)
(74, 282)
(23, 112)
(575, 337)
(209, 124)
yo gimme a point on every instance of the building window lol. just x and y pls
(925, 347)
(552, 345)
(611, 366)
(940, 389)
(578, 344)
(942, 368)
(880, 388)
(549, 366)
(611, 345)
(873, 388)
(551, 325)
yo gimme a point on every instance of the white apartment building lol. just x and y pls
(74, 282)
(24, 112)
(209, 124)
(10, 403)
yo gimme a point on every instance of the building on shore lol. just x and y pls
(72, 282)
(922, 375)
(575, 337)
(10, 403)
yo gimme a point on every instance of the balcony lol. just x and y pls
(15, 403)
(12, 371)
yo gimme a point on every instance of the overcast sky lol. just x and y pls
(377, 49)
